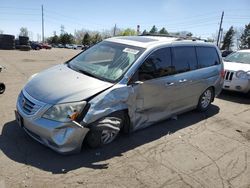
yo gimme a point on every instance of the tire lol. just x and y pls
(205, 100)
(248, 94)
(2, 88)
(7, 42)
(23, 40)
(104, 135)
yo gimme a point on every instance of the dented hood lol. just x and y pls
(60, 84)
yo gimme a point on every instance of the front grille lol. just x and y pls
(28, 106)
(229, 75)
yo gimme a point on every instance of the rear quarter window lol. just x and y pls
(207, 56)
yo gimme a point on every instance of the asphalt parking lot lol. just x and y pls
(210, 149)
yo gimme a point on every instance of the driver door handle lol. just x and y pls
(169, 84)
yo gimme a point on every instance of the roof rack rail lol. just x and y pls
(174, 36)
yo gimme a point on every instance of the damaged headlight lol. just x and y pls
(65, 112)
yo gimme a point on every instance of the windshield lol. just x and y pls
(106, 60)
(239, 57)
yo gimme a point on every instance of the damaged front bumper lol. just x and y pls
(63, 138)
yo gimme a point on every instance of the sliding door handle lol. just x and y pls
(182, 80)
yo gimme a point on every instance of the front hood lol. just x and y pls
(233, 66)
(61, 84)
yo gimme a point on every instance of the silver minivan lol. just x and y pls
(121, 84)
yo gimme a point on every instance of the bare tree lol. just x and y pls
(1, 31)
(79, 34)
(24, 32)
(238, 33)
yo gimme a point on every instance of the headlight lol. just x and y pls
(65, 112)
(242, 74)
(248, 75)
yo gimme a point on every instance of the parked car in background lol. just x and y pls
(85, 47)
(225, 53)
(69, 46)
(237, 71)
(77, 47)
(119, 84)
(35, 45)
(54, 45)
(46, 46)
(2, 85)
(60, 46)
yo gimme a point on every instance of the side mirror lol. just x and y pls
(138, 82)
(135, 83)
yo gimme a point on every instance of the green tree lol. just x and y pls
(96, 38)
(144, 32)
(153, 30)
(245, 38)
(86, 39)
(163, 31)
(66, 38)
(228, 39)
(128, 32)
(24, 32)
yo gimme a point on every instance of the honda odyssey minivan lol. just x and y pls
(121, 84)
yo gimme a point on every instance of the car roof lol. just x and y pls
(154, 41)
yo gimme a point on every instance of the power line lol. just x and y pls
(19, 8)
(16, 13)
(67, 17)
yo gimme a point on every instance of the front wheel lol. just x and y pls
(105, 131)
(205, 100)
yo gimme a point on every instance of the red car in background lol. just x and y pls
(46, 46)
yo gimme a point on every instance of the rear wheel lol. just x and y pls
(205, 100)
(105, 131)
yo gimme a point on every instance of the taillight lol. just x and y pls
(222, 73)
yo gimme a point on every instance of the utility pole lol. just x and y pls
(221, 20)
(221, 35)
(114, 31)
(42, 25)
(138, 29)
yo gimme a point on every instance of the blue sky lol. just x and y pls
(199, 17)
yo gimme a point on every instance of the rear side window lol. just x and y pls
(158, 64)
(184, 59)
(207, 56)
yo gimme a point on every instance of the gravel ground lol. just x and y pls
(210, 149)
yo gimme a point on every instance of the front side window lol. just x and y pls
(239, 57)
(158, 64)
(184, 59)
(106, 60)
(207, 56)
